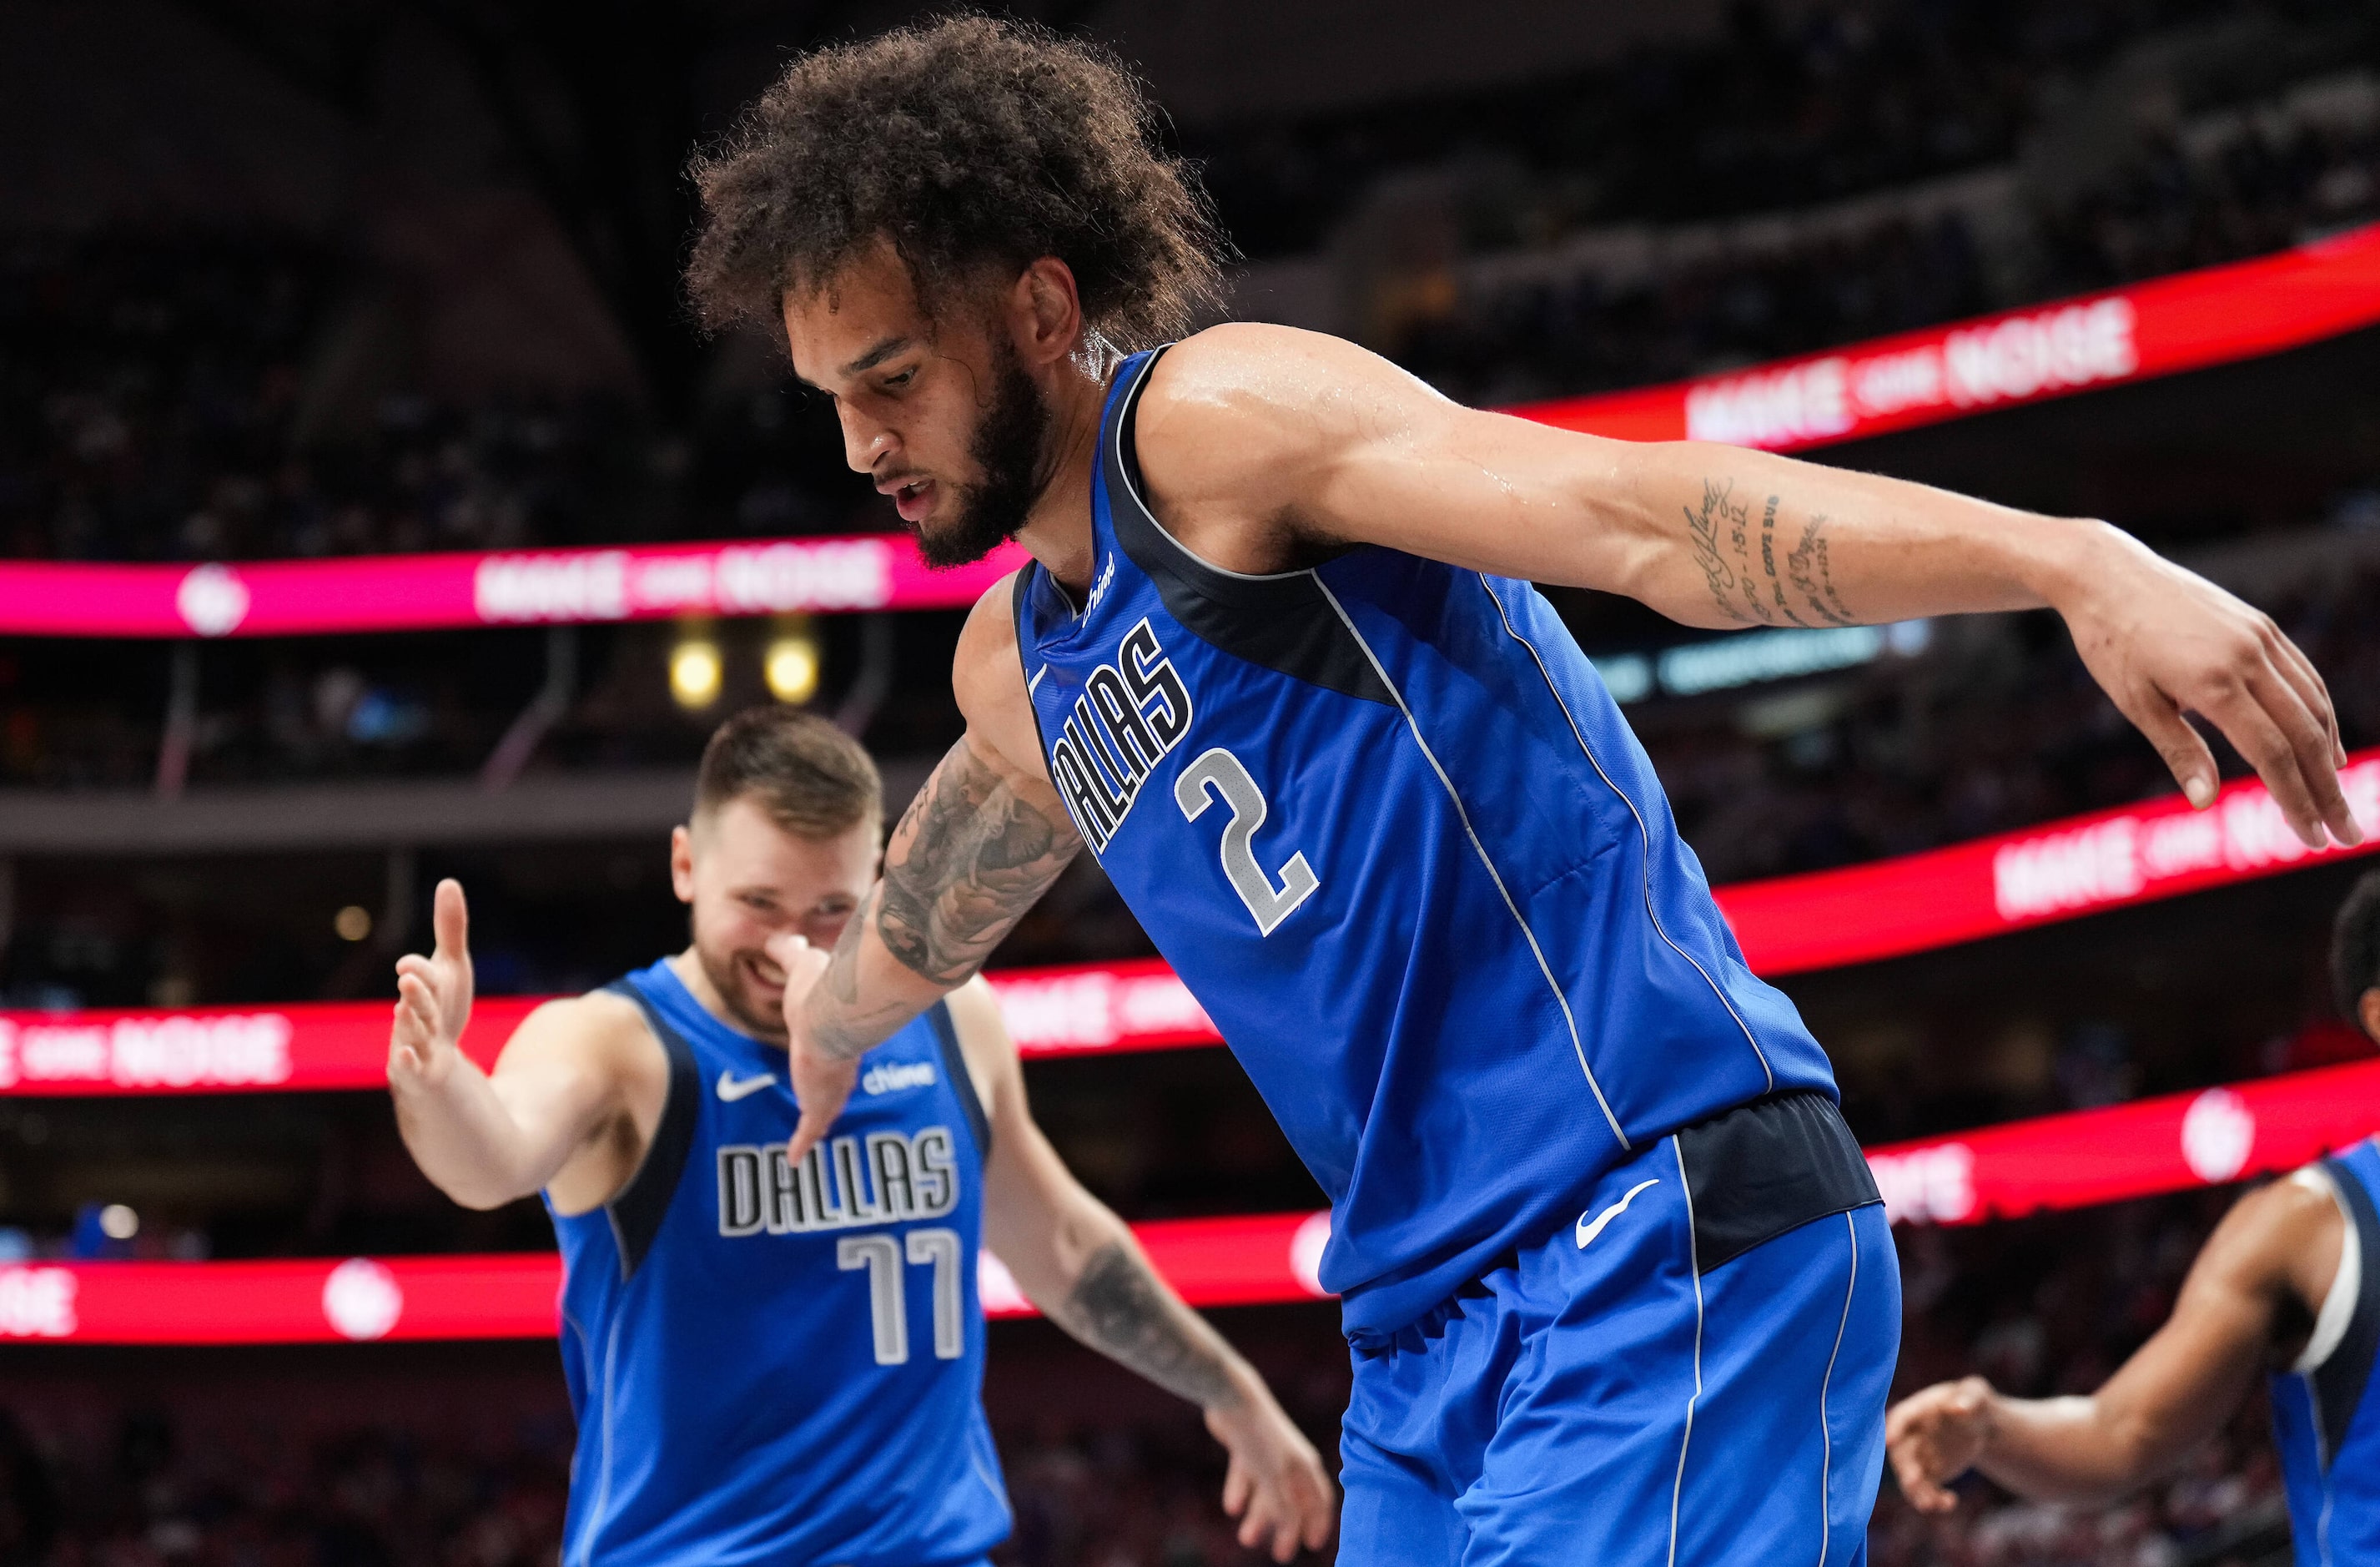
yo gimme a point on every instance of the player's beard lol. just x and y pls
(1009, 452)
(730, 982)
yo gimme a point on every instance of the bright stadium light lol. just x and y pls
(694, 672)
(792, 665)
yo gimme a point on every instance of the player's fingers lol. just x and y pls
(2185, 753)
(1236, 1485)
(2271, 743)
(808, 1131)
(1321, 1514)
(2299, 671)
(2306, 722)
(450, 920)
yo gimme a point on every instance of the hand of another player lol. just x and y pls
(821, 1082)
(1934, 1435)
(1275, 1485)
(433, 998)
(2165, 641)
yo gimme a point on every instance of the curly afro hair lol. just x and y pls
(2355, 944)
(973, 146)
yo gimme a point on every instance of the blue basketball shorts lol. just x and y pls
(1653, 1385)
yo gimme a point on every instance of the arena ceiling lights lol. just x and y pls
(2189, 321)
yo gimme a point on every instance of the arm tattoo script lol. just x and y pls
(1118, 1308)
(975, 857)
(1743, 573)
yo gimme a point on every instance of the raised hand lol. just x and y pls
(1934, 1435)
(821, 1081)
(433, 998)
(2165, 641)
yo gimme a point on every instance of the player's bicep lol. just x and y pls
(1038, 1219)
(555, 1081)
(2184, 1383)
(1346, 448)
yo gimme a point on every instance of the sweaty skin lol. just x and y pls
(1266, 449)
(2248, 1304)
(578, 1090)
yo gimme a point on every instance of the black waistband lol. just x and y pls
(1766, 1167)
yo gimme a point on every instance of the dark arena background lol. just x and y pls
(373, 513)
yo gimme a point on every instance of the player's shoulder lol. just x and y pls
(985, 675)
(2275, 1232)
(984, 1043)
(600, 1028)
(1247, 405)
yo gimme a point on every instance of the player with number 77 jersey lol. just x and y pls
(780, 1359)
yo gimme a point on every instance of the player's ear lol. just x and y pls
(2367, 1011)
(682, 863)
(1045, 313)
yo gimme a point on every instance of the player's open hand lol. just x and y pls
(433, 998)
(2165, 641)
(822, 1080)
(1934, 1435)
(1275, 1485)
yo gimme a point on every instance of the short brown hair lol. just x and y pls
(971, 145)
(2355, 945)
(812, 779)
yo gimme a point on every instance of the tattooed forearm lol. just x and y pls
(967, 860)
(1744, 572)
(1118, 1308)
(1812, 578)
(1768, 561)
(1703, 536)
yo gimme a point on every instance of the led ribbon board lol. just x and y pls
(2176, 1143)
(2185, 321)
(2189, 321)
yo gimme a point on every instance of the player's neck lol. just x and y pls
(1057, 531)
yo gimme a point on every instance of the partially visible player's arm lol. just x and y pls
(2277, 1247)
(485, 1139)
(1286, 443)
(1077, 1262)
(976, 849)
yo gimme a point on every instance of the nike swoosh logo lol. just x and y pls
(732, 1088)
(1589, 1228)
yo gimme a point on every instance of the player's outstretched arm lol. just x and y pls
(1077, 1261)
(976, 849)
(487, 1139)
(2277, 1247)
(1273, 445)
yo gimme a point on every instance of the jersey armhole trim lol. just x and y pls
(1275, 620)
(954, 1067)
(2339, 1384)
(638, 1208)
(2346, 1285)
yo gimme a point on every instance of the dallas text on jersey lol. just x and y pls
(1131, 714)
(843, 1183)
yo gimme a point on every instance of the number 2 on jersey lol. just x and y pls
(1223, 772)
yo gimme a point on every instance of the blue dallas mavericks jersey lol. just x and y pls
(1388, 825)
(783, 1365)
(2325, 1422)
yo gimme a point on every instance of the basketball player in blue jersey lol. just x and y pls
(1614, 1276)
(780, 1360)
(2290, 1282)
